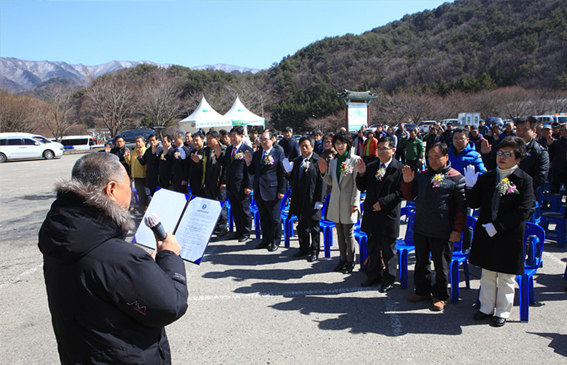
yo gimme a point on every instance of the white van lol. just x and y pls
(22, 145)
(78, 142)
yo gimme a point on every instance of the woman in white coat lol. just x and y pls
(343, 208)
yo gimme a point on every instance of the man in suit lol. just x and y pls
(307, 198)
(151, 159)
(269, 188)
(381, 220)
(165, 162)
(179, 166)
(197, 166)
(238, 184)
(215, 187)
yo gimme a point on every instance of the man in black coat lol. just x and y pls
(109, 299)
(180, 165)
(215, 187)
(381, 220)
(120, 151)
(289, 144)
(151, 158)
(269, 188)
(536, 160)
(238, 184)
(307, 199)
(197, 166)
(165, 162)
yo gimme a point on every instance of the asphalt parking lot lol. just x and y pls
(250, 306)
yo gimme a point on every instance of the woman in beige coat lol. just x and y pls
(345, 197)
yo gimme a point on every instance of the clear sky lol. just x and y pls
(189, 33)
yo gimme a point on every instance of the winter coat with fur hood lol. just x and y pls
(109, 300)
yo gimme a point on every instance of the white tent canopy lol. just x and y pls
(204, 117)
(239, 115)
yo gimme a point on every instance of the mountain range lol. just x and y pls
(18, 75)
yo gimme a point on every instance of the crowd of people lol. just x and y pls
(110, 300)
(437, 168)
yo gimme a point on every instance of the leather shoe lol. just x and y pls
(339, 266)
(385, 288)
(300, 253)
(272, 247)
(438, 305)
(498, 321)
(313, 257)
(349, 266)
(369, 282)
(244, 238)
(479, 316)
(418, 298)
(261, 245)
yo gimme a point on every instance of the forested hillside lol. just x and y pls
(468, 45)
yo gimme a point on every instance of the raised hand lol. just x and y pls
(107, 148)
(360, 166)
(247, 157)
(408, 174)
(322, 166)
(218, 150)
(485, 146)
(195, 157)
(470, 176)
(126, 152)
(139, 152)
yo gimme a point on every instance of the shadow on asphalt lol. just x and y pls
(558, 342)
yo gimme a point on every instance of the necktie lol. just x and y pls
(233, 153)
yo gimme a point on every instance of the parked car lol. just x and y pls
(79, 143)
(130, 136)
(15, 146)
(491, 120)
(424, 126)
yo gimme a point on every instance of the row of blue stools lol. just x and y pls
(550, 209)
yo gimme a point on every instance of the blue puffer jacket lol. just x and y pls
(468, 156)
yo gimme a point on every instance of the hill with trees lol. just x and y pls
(503, 58)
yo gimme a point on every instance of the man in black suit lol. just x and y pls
(180, 165)
(197, 166)
(381, 220)
(307, 199)
(238, 184)
(165, 162)
(215, 187)
(151, 159)
(269, 188)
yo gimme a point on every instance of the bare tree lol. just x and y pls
(512, 102)
(112, 101)
(159, 97)
(58, 112)
(251, 92)
(18, 113)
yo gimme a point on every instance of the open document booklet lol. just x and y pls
(192, 222)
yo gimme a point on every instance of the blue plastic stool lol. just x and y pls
(550, 202)
(558, 234)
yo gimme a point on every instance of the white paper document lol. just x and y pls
(195, 222)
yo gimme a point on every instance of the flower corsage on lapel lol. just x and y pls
(268, 160)
(346, 168)
(305, 165)
(177, 155)
(506, 187)
(437, 179)
(380, 174)
(239, 156)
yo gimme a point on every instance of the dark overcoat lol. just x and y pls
(388, 191)
(504, 252)
(306, 190)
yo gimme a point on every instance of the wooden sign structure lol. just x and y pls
(356, 104)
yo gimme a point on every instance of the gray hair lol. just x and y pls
(98, 169)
